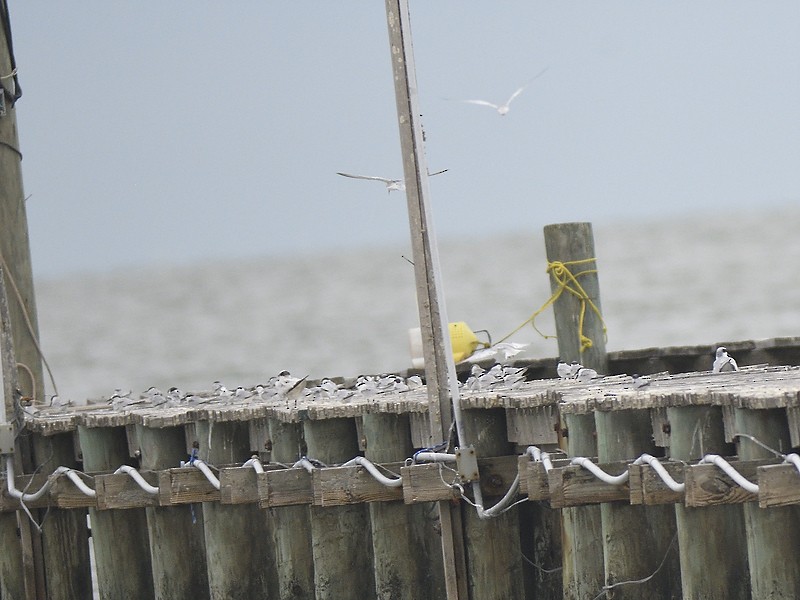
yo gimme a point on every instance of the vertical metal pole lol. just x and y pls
(440, 373)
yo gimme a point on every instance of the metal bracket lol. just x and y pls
(467, 464)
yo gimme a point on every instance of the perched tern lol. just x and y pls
(391, 184)
(724, 362)
(502, 109)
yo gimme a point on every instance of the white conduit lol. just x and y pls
(434, 457)
(255, 463)
(206, 471)
(373, 470)
(661, 471)
(793, 459)
(716, 459)
(305, 463)
(540, 456)
(71, 473)
(136, 476)
(598, 472)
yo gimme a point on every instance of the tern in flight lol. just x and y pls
(502, 109)
(391, 184)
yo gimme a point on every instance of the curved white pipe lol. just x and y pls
(206, 471)
(373, 470)
(255, 463)
(656, 465)
(137, 477)
(598, 472)
(723, 464)
(434, 457)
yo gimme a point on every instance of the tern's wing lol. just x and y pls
(519, 91)
(482, 103)
(383, 179)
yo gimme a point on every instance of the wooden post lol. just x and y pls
(65, 535)
(494, 557)
(440, 373)
(340, 534)
(121, 546)
(581, 547)
(694, 432)
(566, 243)
(398, 530)
(773, 534)
(291, 524)
(177, 541)
(582, 534)
(637, 539)
(237, 539)
(15, 255)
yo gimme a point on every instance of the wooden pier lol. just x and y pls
(333, 531)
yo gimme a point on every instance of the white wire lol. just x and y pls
(793, 459)
(540, 456)
(723, 464)
(76, 479)
(137, 477)
(598, 472)
(372, 469)
(198, 463)
(25, 497)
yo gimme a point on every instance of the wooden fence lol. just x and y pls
(273, 528)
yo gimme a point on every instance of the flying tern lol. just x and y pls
(391, 184)
(502, 109)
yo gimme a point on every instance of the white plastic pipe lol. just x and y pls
(434, 457)
(206, 471)
(661, 471)
(716, 459)
(793, 459)
(25, 497)
(137, 477)
(304, 463)
(373, 470)
(255, 463)
(540, 456)
(598, 472)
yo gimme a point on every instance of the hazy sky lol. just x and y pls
(172, 132)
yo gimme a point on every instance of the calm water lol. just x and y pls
(698, 280)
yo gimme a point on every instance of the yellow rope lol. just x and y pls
(567, 281)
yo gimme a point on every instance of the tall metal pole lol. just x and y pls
(440, 373)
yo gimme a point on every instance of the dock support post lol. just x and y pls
(638, 540)
(572, 245)
(121, 546)
(291, 524)
(494, 555)
(65, 534)
(237, 546)
(341, 535)
(695, 431)
(177, 542)
(773, 534)
(568, 243)
(582, 531)
(399, 530)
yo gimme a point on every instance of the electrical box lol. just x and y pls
(467, 464)
(7, 438)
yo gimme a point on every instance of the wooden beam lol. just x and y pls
(778, 485)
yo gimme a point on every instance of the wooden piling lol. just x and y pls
(773, 534)
(341, 542)
(581, 333)
(494, 555)
(177, 541)
(65, 534)
(399, 532)
(121, 546)
(623, 435)
(236, 537)
(291, 524)
(694, 432)
(582, 531)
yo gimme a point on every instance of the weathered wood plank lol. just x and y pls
(575, 486)
(778, 485)
(285, 487)
(648, 488)
(185, 485)
(708, 485)
(121, 492)
(352, 485)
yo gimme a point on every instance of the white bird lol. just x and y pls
(586, 374)
(724, 362)
(391, 184)
(506, 349)
(502, 109)
(641, 381)
(568, 370)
